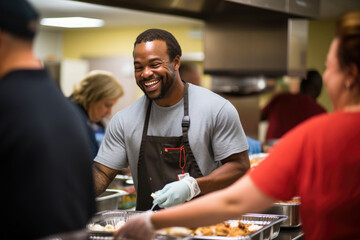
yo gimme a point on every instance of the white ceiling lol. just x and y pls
(117, 17)
(113, 16)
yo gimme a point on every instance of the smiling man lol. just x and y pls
(179, 139)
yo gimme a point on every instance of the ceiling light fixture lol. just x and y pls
(72, 22)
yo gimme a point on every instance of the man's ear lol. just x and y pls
(176, 63)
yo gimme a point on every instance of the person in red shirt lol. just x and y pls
(319, 161)
(286, 110)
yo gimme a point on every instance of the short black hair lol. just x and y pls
(173, 47)
(18, 18)
(312, 84)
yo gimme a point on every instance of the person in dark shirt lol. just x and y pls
(47, 184)
(94, 98)
(312, 84)
(286, 110)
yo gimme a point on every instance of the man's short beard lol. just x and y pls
(165, 86)
(161, 95)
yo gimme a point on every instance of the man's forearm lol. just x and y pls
(225, 175)
(101, 179)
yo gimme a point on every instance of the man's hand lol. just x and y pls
(177, 192)
(137, 228)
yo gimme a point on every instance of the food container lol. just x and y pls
(270, 230)
(131, 214)
(96, 227)
(109, 200)
(291, 210)
(125, 183)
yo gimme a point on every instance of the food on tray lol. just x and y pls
(294, 200)
(226, 229)
(107, 228)
(95, 227)
(255, 159)
(254, 162)
(178, 231)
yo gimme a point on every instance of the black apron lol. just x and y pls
(161, 159)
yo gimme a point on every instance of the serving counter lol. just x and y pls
(290, 234)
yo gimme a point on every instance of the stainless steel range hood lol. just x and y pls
(190, 8)
(245, 45)
(252, 45)
(207, 8)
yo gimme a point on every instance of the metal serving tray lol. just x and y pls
(270, 230)
(270, 222)
(291, 210)
(109, 200)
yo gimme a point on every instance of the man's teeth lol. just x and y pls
(151, 83)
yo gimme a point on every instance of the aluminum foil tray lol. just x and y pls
(291, 210)
(270, 230)
(270, 222)
(103, 218)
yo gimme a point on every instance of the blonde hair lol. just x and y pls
(97, 85)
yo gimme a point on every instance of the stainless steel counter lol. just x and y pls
(290, 234)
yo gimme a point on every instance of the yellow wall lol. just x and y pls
(321, 34)
(118, 41)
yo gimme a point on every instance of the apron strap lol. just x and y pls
(185, 124)
(144, 134)
(146, 124)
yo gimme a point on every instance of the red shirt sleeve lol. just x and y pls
(277, 175)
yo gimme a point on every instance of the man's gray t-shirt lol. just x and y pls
(215, 131)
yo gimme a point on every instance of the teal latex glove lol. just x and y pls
(177, 192)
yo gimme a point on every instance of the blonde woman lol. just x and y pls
(98, 92)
